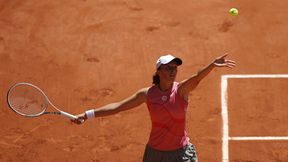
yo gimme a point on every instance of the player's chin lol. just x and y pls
(172, 78)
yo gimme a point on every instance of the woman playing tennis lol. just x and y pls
(167, 102)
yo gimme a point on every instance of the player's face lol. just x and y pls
(168, 71)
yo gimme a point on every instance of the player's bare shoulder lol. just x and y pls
(143, 92)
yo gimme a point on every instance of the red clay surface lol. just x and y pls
(87, 53)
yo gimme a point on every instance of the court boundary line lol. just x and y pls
(224, 112)
(269, 138)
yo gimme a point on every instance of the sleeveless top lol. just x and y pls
(168, 116)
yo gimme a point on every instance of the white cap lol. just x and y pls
(166, 59)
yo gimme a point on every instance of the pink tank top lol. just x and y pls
(168, 116)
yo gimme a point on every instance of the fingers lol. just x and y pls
(81, 118)
(223, 56)
(78, 121)
(222, 62)
(226, 63)
(75, 121)
(230, 64)
(230, 61)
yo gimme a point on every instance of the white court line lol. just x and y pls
(256, 76)
(224, 112)
(269, 138)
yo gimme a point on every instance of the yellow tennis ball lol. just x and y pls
(233, 11)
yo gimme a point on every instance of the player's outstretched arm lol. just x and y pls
(131, 102)
(191, 83)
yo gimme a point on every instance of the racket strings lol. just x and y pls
(27, 100)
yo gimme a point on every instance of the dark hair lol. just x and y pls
(156, 79)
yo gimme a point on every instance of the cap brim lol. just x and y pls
(178, 61)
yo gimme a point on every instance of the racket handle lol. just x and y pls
(68, 115)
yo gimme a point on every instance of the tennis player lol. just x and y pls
(167, 102)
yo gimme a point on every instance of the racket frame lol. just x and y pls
(47, 101)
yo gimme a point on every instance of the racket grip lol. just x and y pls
(68, 115)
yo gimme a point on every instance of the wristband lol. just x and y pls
(90, 114)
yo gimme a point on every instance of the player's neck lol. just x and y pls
(164, 86)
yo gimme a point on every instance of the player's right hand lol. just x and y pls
(81, 118)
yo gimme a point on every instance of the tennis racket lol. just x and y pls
(29, 100)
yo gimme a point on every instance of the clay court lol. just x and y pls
(88, 53)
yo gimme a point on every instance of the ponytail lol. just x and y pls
(156, 79)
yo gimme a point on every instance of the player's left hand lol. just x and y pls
(222, 62)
